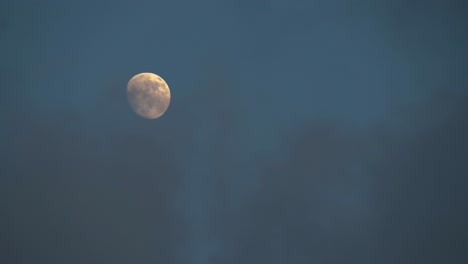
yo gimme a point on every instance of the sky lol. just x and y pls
(298, 132)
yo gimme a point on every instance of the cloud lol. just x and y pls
(343, 196)
(73, 197)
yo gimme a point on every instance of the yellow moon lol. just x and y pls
(148, 95)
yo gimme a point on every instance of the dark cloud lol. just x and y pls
(73, 196)
(421, 184)
(338, 196)
(3, 24)
(311, 205)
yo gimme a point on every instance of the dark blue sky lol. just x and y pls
(298, 132)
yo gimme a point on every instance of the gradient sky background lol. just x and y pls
(326, 131)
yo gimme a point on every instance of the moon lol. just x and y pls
(148, 95)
